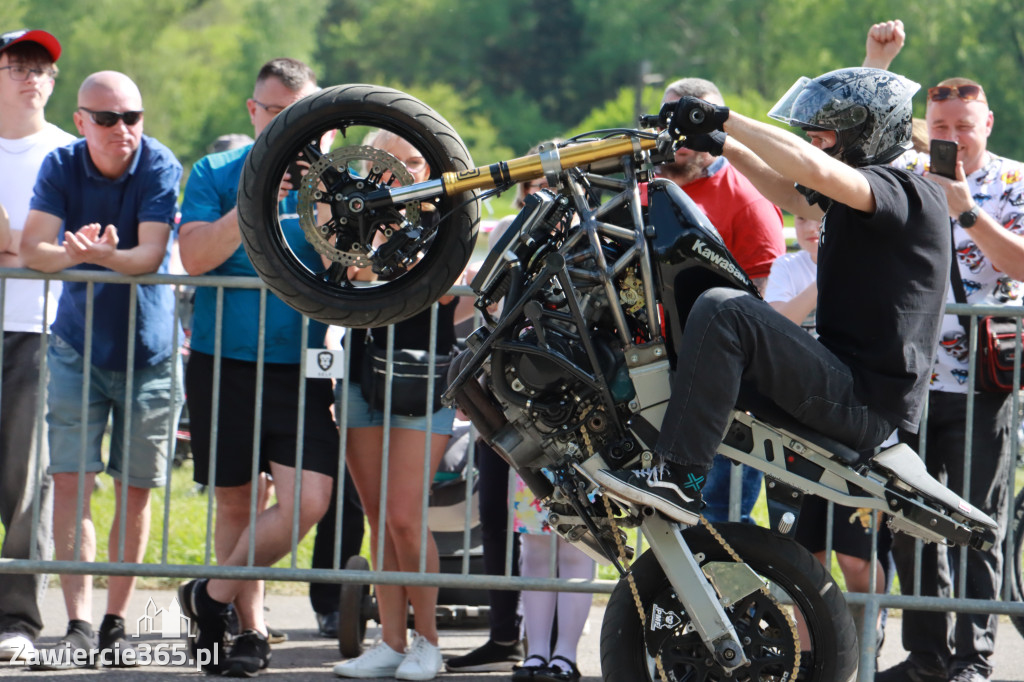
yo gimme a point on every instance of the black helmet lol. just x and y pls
(869, 109)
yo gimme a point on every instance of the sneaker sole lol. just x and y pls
(632, 495)
(367, 675)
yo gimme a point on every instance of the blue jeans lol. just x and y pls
(716, 490)
(155, 405)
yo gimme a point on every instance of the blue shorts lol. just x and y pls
(361, 415)
(155, 408)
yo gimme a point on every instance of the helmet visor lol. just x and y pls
(808, 104)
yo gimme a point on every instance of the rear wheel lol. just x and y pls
(794, 577)
(416, 251)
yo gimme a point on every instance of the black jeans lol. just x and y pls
(325, 597)
(734, 339)
(965, 639)
(494, 504)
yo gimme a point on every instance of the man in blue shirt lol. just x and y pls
(210, 243)
(106, 203)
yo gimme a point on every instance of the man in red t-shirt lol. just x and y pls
(750, 225)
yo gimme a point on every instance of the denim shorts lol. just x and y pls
(155, 407)
(361, 415)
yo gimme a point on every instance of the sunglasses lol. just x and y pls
(109, 119)
(968, 93)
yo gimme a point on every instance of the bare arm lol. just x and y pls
(800, 306)
(39, 247)
(800, 162)
(5, 230)
(1004, 248)
(777, 189)
(204, 246)
(885, 40)
(90, 244)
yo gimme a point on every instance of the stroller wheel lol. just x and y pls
(355, 607)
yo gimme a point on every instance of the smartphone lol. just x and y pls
(295, 170)
(943, 158)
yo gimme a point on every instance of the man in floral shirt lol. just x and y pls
(986, 209)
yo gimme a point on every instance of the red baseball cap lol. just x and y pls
(33, 36)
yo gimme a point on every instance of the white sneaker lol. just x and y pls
(15, 645)
(380, 660)
(422, 660)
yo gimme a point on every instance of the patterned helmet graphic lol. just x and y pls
(870, 110)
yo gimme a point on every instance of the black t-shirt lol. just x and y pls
(413, 334)
(882, 282)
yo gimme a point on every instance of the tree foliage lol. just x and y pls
(509, 73)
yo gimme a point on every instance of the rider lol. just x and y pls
(867, 373)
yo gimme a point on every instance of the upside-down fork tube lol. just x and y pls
(507, 173)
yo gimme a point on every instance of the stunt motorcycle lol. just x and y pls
(594, 280)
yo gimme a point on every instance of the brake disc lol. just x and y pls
(361, 169)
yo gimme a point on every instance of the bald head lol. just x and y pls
(106, 85)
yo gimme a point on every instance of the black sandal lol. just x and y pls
(523, 672)
(554, 673)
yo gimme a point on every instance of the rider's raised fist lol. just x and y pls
(693, 115)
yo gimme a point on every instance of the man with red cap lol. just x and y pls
(27, 71)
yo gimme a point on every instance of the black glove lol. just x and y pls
(693, 115)
(712, 143)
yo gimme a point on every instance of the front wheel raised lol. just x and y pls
(326, 249)
(794, 578)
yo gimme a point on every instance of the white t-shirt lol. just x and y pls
(20, 160)
(791, 273)
(998, 187)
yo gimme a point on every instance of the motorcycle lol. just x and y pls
(595, 278)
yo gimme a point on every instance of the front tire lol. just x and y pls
(437, 254)
(792, 574)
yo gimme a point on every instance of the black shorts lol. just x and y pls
(278, 427)
(849, 535)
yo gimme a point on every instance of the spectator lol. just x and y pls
(551, 656)
(793, 291)
(751, 228)
(503, 648)
(403, 516)
(852, 387)
(987, 222)
(28, 64)
(211, 244)
(106, 203)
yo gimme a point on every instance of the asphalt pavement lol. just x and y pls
(306, 656)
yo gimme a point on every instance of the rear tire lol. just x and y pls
(789, 568)
(313, 291)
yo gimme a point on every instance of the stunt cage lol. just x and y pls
(572, 376)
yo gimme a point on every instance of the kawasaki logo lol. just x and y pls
(718, 260)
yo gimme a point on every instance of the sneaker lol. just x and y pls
(969, 675)
(73, 650)
(115, 649)
(274, 636)
(911, 670)
(207, 628)
(16, 646)
(250, 653)
(490, 657)
(380, 660)
(422, 660)
(672, 489)
(327, 624)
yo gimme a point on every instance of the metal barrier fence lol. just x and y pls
(39, 561)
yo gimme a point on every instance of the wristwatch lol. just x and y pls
(969, 217)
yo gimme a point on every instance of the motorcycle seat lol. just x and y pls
(768, 411)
